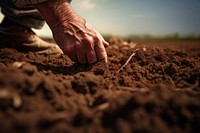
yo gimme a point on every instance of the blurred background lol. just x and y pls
(139, 17)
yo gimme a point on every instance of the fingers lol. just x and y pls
(100, 48)
(101, 51)
(88, 44)
(80, 53)
(94, 49)
(69, 51)
(106, 44)
(91, 57)
(84, 51)
(89, 50)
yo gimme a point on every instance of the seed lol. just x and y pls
(17, 101)
(18, 64)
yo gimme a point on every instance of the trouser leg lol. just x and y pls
(26, 17)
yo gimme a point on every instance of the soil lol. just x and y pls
(157, 90)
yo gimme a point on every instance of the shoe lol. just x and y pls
(25, 40)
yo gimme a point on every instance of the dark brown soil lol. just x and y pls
(157, 91)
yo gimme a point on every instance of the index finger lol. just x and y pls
(101, 51)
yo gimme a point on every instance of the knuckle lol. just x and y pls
(88, 40)
(77, 45)
(68, 49)
(91, 57)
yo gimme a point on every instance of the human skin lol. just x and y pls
(77, 38)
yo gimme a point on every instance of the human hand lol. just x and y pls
(73, 34)
(80, 41)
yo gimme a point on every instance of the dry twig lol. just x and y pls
(166, 75)
(103, 106)
(134, 52)
(131, 89)
(188, 89)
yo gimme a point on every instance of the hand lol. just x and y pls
(80, 41)
(73, 34)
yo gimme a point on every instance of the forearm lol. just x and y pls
(56, 11)
(28, 3)
(79, 40)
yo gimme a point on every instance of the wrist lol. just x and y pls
(56, 11)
